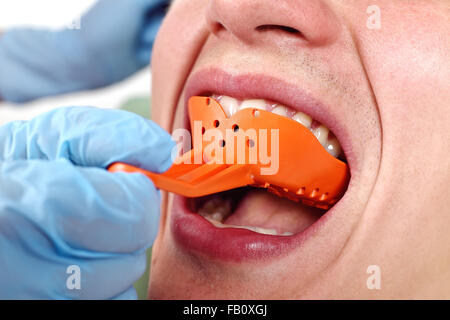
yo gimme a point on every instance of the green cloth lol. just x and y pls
(138, 105)
(141, 285)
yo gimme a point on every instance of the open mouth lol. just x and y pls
(251, 222)
(255, 209)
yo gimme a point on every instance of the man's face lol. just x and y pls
(376, 74)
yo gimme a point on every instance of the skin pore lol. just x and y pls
(387, 92)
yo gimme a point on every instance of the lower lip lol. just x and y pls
(196, 235)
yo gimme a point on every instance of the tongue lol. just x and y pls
(259, 208)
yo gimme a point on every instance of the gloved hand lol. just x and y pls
(114, 41)
(59, 207)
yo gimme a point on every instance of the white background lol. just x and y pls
(54, 14)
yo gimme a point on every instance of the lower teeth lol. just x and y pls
(273, 232)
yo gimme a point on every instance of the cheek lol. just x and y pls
(408, 68)
(175, 51)
(406, 59)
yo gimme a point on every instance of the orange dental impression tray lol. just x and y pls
(251, 148)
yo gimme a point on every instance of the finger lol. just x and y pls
(105, 278)
(36, 270)
(83, 212)
(88, 137)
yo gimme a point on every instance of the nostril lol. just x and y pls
(268, 27)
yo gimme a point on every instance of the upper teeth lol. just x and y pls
(322, 133)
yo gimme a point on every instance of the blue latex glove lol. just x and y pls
(60, 207)
(114, 41)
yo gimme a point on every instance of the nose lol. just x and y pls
(309, 22)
